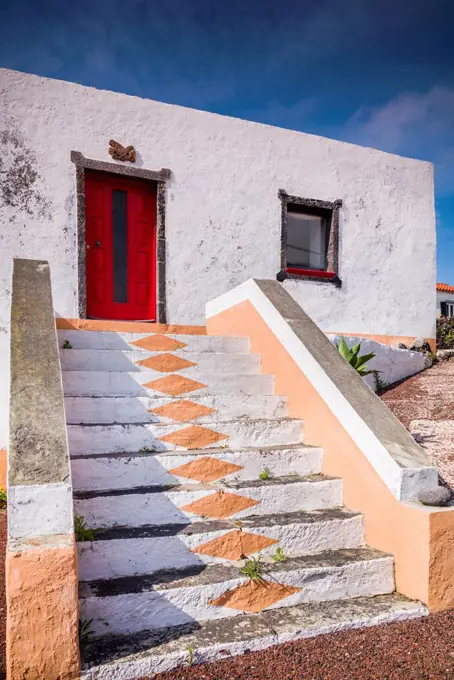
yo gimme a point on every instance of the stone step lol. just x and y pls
(159, 363)
(125, 471)
(177, 597)
(105, 340)
(95, 439)
(143, 654)
(121, 552)
(181, 503)
(170, 409)
(105, 384)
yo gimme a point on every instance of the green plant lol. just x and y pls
(265, 474)
(279, 555)
(146, 449)
(67, 345)
(83, 533)
(191, 651)
(379, 383)
(2, 498)
(353, 358)
(253, 570)
(445, 332)
(85, 632)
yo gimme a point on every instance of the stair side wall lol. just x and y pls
(420, 538)
(41, 562)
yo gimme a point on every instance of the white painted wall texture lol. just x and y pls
(223, 213)
(393, 364)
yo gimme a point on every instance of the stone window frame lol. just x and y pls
(159, 178)
(332, 270)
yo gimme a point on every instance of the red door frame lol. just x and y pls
(141, 207)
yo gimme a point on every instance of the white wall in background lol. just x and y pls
(394, 364)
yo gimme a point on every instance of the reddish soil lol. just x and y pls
(421, 649)
(2, 594)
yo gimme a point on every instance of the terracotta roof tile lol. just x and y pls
(445, 287)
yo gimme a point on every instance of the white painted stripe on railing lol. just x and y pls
(40, 510)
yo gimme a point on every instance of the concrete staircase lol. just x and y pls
(188, 469)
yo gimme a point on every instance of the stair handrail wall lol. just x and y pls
(382, 467)
(41, 563)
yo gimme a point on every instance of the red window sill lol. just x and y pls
(316, 273)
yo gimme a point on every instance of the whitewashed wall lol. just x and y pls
(443, 297)
(223, 212)
(394, 364)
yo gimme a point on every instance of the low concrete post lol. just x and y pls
(41, 565)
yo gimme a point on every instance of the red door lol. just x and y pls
(121, 247)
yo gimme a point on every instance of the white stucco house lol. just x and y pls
(445, 299)
(145, 211)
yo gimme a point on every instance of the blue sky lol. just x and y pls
(369, 72)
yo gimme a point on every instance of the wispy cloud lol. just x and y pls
(413, 124)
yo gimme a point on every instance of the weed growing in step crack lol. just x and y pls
(146, 449)
(279, 556)
(191, 653)
(67, 345)
(85, 632)
(83, 533)
(2, 499)
(253, 570)
(265, 474)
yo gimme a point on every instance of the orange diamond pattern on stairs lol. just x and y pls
(159, 343)
(174, 385)
(193, 437)
(205, 469)
(235, 545)
(220, 505)
(254, 596)
(166, 363)
(183, 410)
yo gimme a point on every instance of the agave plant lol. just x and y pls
(353, 358)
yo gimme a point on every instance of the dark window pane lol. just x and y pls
(120, 245)
(306, 241)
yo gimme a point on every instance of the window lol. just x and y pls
(447, 309)
(309, 239)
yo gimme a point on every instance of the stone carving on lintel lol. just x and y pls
(121, 153)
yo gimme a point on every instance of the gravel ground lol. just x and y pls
(2, 594)
(424, 403)
(422, 649)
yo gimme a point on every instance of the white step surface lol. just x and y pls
(162, 547)
(108, 384)
(126, 472)
(137, 409)
(140, 656)
(126, 362)
(122, 341)
(96, 439)
(188, 599)
(166, 506)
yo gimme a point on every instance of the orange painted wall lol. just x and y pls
(420, 540)
(42, 619)
(3, 468)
